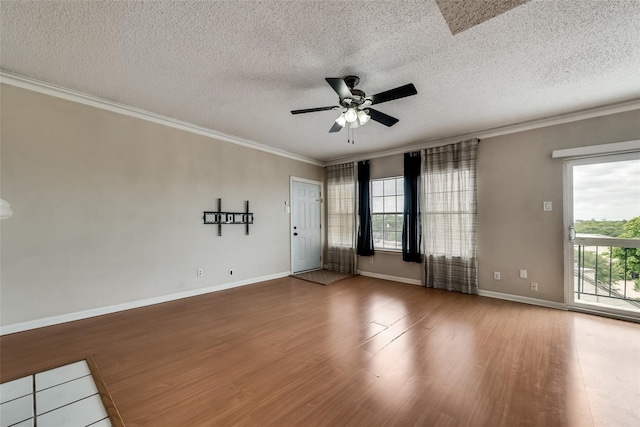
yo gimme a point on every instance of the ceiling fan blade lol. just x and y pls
(340, 87)
(390, 95)
(383, 118)
(335, 128)
(312, 110)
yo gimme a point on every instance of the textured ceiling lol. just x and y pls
(239, 67)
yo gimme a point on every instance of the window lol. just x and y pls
(340, 206)
(450, 213)
(450, 200)
(387, 206)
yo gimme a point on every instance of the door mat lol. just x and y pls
(323, 277)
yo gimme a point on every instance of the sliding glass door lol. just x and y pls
(602, 208)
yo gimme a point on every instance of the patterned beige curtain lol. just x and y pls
(341, 186)
(449, 220)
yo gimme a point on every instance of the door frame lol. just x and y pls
(322, 218)
(568, 221)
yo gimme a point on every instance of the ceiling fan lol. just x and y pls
(356, 104)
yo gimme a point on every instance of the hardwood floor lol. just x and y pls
(362, 351)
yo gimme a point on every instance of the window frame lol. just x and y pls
(378, 244)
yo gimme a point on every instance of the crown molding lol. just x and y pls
(499, 131)
(94, 101)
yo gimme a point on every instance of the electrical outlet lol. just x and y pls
(534, 286)
(523, 274)
(370, 260)
(231, 272)
(200, 272)
(496, 275)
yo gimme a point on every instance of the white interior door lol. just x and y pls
(602, 196)
(306, 233)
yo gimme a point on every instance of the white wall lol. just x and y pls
(108, 208)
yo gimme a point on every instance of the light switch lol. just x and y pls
(523, 274)
(546, 206)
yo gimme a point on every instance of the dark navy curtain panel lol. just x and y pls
(411, 228)
(365, 232)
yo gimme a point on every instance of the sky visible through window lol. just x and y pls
(608, 191)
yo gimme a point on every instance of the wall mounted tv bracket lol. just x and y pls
(218, 217)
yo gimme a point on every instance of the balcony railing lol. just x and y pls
(606, 271)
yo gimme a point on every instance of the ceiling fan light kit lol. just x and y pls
(351, 115)
(356, 104)
(363, 117)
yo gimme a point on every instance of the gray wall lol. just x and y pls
(515, 175)
(108, 208)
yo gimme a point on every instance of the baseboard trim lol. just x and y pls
(392, 278)
(94, 312)
(525, 300)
